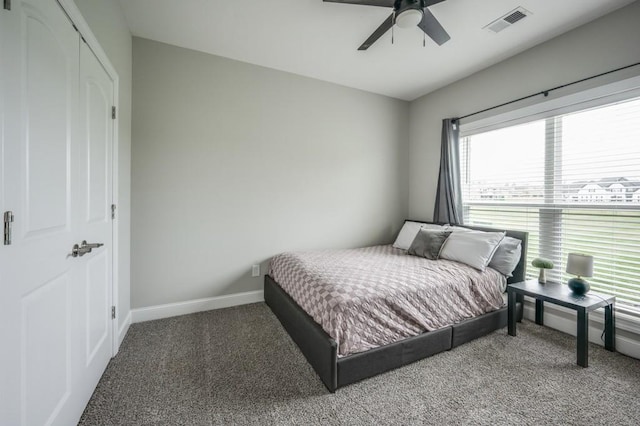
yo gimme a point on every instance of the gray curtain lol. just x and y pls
(448, 207)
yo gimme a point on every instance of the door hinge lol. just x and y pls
(113, 211)
(113, 312)
(113, 112)
(7, 4)
(8, 220)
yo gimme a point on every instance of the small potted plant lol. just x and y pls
(543, 264)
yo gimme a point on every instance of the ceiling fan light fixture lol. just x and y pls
(409, 18)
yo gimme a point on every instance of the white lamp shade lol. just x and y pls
(580, 264)
(409, 18)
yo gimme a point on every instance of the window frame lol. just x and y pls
(549, 210)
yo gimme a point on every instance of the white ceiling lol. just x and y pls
(320, 40)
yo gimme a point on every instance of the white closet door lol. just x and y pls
(51, 336)
(94, 223)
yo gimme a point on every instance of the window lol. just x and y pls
(573, 182)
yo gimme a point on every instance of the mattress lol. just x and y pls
(369, 297)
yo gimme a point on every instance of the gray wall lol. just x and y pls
(234, 163)
(107, 22)
(607, 43)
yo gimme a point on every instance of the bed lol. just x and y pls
(342, 360)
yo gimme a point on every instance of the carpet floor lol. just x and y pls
(239, 366)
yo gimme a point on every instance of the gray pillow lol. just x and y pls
(507, 256)
(428, 243)
(409, 231)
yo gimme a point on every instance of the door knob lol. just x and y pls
(90, 245)
(84, 248)
(79, 251)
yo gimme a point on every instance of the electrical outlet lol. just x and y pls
(255, 271)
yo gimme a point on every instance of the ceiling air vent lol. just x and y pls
(509, 19)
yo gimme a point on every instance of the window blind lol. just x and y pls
(573, 182)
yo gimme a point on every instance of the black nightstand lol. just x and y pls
(561, 295)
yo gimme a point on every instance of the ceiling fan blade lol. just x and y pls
(428, 3)
(432, 28)
(383, 28)
(381, 3)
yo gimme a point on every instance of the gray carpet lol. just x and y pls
(238, 366)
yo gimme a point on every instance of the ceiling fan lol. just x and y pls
(406, 13)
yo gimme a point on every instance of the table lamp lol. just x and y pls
(582, 266)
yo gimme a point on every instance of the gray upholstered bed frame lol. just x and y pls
(321, 350)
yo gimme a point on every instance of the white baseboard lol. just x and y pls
(565, 320)
(122, 332)
(191, 306)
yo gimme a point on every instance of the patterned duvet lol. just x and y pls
(369, 297)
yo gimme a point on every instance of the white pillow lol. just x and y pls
(409, 231)
(507, 256)
(473, 248)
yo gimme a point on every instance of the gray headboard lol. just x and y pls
(521, 269)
